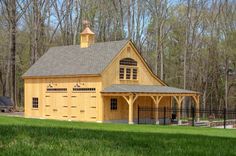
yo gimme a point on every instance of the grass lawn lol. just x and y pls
(19, 136)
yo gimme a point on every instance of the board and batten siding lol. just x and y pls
(111, 73)
(111, 76)
(122, 112)
(63, 105)
(88, 106)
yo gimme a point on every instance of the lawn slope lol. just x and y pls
(19, 136)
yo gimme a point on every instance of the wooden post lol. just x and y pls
(197, 103)
(179, 99)
(179, 112)
(156, 115)
(131, 113)
(130, 100)
(157, 100)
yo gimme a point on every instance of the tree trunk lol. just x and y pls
(34, 47)
(13, 50)
(129, 19)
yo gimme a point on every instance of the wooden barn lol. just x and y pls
(98, 82)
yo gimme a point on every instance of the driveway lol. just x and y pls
(17, 114)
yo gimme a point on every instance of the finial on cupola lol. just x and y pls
(87, 37)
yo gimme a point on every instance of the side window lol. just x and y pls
(122, 73)
(128, 73)
(35, 102)
(113, 104)
(135, 73)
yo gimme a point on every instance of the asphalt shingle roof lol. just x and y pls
(73, 60)
(125, 88)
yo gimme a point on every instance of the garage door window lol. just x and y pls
(113, 104)
(35, 102)
(56, 89)
(84, 89)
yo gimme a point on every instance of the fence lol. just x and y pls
(189, 117)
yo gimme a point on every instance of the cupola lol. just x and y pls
(87, 37)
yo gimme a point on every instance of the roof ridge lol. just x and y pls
(72, 45)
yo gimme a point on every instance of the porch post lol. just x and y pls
(197, 102)
(130, 100)
(157, 100)
(131, 113)
(178, 113)
(179, 100)
(157, 113)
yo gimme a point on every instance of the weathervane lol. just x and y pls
(86, 23)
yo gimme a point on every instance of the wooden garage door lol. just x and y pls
(91, 108)
(48, 107)
(61, 108)
(83, 107)
(56, 106)
(76, 111)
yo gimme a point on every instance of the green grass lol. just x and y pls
(19, 136)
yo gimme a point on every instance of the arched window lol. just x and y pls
(128, 69)
(128, 62)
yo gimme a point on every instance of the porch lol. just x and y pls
(131, 97)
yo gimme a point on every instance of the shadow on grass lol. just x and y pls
(32, 140)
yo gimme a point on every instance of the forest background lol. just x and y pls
(189, 44)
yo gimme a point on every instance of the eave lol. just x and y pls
(61, 76)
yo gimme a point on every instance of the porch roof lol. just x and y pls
(127, 88)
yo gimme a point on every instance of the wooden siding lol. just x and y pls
(88, 106)
(65, 105)
(121, 114)
(111, 74)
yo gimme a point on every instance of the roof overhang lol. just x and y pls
(60, 76)
(144, 90)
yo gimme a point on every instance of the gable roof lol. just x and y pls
(73, 60)
(126, 88)
(143, 60)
